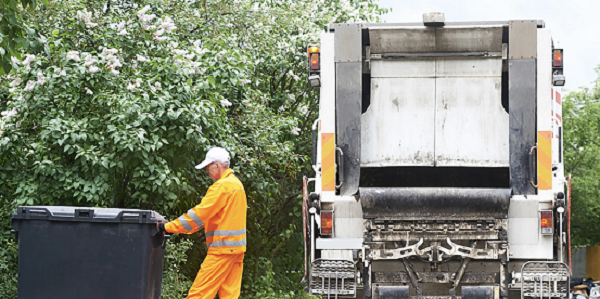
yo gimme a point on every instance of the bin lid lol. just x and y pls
(86, 214)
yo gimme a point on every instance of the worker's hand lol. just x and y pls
(160, 226)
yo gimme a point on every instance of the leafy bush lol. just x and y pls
(124, 98)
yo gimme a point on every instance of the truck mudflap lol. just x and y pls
(333, 279)
(408, 203)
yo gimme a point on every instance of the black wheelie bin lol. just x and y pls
(92, 253)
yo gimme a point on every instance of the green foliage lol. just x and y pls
(581, 116)
(8, 269)
(121, 102)
(175, 283)
(16, 31)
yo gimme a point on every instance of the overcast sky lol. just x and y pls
(574, 24)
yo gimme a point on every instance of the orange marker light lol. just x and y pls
(314, 61)
(557, 60)
(546, 222)
(326, 222)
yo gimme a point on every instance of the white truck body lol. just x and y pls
(438, 155)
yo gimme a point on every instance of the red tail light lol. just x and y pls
(326, 222)
(546, 222)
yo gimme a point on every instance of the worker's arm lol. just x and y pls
(194, 219)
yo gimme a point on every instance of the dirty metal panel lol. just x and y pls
(398, 126)
(471, 124)
(485, 39)
(522, 39)
(480, 292)
(522, 122)
(523, 230)
(436, 277)
(421, 68)
(469, 67)
(402, 40)
(348, 95)
(443, 203)
(348, 42)
(391, 292)
(384, 236)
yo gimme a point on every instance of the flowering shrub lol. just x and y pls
(125, 98)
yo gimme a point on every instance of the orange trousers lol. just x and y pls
(219, 273)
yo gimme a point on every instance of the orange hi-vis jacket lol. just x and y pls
(222, 214)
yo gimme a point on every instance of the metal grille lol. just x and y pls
(545, 280)
(333, 279)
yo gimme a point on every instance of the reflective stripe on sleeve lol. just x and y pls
(226, 233)
(185, 223)
(195, 218)
(228, 243)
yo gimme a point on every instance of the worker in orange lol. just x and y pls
(222, 214)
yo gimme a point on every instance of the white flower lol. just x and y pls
(153, 89)
(245, 81)
(73, 55)
(296, 131)
(180, 52)
(190, 56)
(147, 18)
(134, 64)
(201, 51)
(158, 33)
(157, 84)
(16, 82)
(149, 27)
(115, 72)
(88, 91)
(40, 78)
(141, 58)
(89, 61)
(197, 43)
(29, 59)
(108, 51)
(138, 82)
(63, 73)
(122, 32)
(30, 85)
(86, 17)
(130, 87)
(167, 24)
(94, 69)
(281, 108)
(15, 60)
(225, 103)
(143, 11)
(9, 113)
(113, 63)
(121, 26)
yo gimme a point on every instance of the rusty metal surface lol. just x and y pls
(443, 203)
(435, 277)
(398, 40)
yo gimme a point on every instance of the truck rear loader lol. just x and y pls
(438, 162)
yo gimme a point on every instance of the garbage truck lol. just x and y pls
(438, 164)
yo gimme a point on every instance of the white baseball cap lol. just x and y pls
(214, 154)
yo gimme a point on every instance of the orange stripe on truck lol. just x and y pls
(544, 160)
(327, 162)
